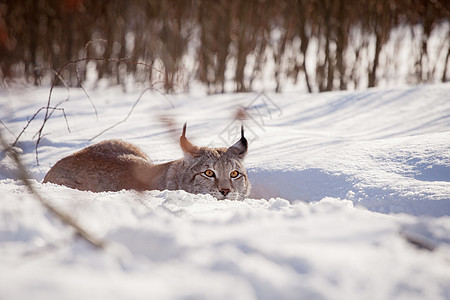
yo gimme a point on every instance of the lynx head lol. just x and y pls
(216, 171)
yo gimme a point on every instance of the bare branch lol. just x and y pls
(90, 43)
(77, 71)
(126, 118)
(34, 116)
(48, 108)
(132, 109)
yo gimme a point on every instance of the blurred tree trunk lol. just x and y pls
(447, 58)
(341, 43)
(373, 69)
(381, 26)
(245, 42)
(302, 13)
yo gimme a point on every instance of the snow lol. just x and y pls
(350, 199)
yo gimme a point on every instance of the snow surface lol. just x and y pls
(345, 185)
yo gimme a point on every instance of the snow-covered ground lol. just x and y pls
(346, 185)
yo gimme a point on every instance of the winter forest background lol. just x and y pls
(321, 45)
(350, 189)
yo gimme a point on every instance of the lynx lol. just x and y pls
(114, 165)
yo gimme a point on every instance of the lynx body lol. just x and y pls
(114, 165)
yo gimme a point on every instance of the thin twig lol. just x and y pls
(132, 109)
(162, 93)
(53, 110)
(126, 118)
(77, 71)
(34, 116)
(89, 43)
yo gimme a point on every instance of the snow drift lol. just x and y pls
(351, 198)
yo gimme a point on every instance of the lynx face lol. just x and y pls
(218, 172)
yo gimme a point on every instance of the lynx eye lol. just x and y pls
(209, 173)
(234, 174)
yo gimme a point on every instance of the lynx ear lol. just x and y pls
(187, 146)
(240, 147)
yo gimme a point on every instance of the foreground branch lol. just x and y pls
(63, 217)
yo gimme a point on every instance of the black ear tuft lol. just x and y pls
(184, 130)
(243, 139)
(240, 147)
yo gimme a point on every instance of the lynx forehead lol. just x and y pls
(114, 165)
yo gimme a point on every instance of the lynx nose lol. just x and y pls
(224, 191)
